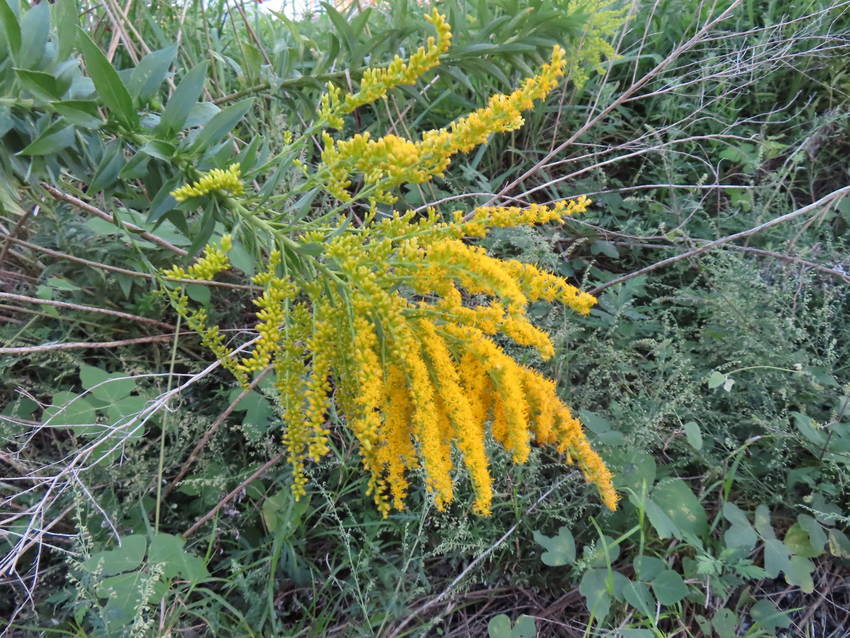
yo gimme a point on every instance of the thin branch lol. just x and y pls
(836, 194)
(232, 494)
(73, 306)
(79, 345)
(65, 197)
(212, 430)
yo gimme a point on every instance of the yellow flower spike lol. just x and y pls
(391, 160)
(397, 454)
(467, 432)
(435, 455)
(376, 82)
(215, 180)
(213, 261)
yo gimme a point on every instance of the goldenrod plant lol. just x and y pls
(396, 317)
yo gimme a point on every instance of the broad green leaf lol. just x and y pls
(662, 523)
(40, 84)
(809, 429)
(158, 149)
(639, 597)
(66, 18)
(725, 623)
(35, 26)
(68, 410)
(199, 293)
(634, 469)
(11, 28)
(169, 551)
(743, 536)
(677, 500)
(79, 112)
(53, 139)
(648, 567)
(839, 544)
(594, 587)
(560, 549)
(716, 379)
(693, 434)
(104, 386)
(150, 72)
(817, 537)
(669, 587)
(124, 558)
(123, 408)
(110, 88)
(182, 100)
(525, 627)
(221, 124)
(499, 627)
(799, 573)
(798, 541)
(768, 616)
(776, 557)
(762, 522)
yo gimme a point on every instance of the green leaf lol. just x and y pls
(741, 533)
(669, 587)
(40, 84)
(68, 410)
(159, 149)
(634, 469)
(150, 72)
(605, 248)
(104, 386)
(662, 523)
(499, 627)
(716, 379)
(221, 124)
(798, 541)
(66, 19)
(183, 99)
(648, 567)
(635, 633)
(35, 25)
(817, 537)
(809, 428)
(11, 28)
(168, 550)
(79, 112)
(110, 88)
(839, 544)
(561, 549)
(639, 597)
(799, 573)
(693, 434)
(677, 500)
(52, 139)
(768, 616)
(725, 623)
(776, 557)
(525, 627)
(594, 588)
(762, 522)
(125, 558)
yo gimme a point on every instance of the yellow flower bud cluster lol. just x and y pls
(389, 161)
(213, 261)
(212, 181)
(486, 217)
(377, 81)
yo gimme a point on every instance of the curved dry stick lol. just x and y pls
(77, 345)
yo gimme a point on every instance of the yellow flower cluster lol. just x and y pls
(212, 181)
(377, 81)
(387, 162)
(395, 322)
(415, 379)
